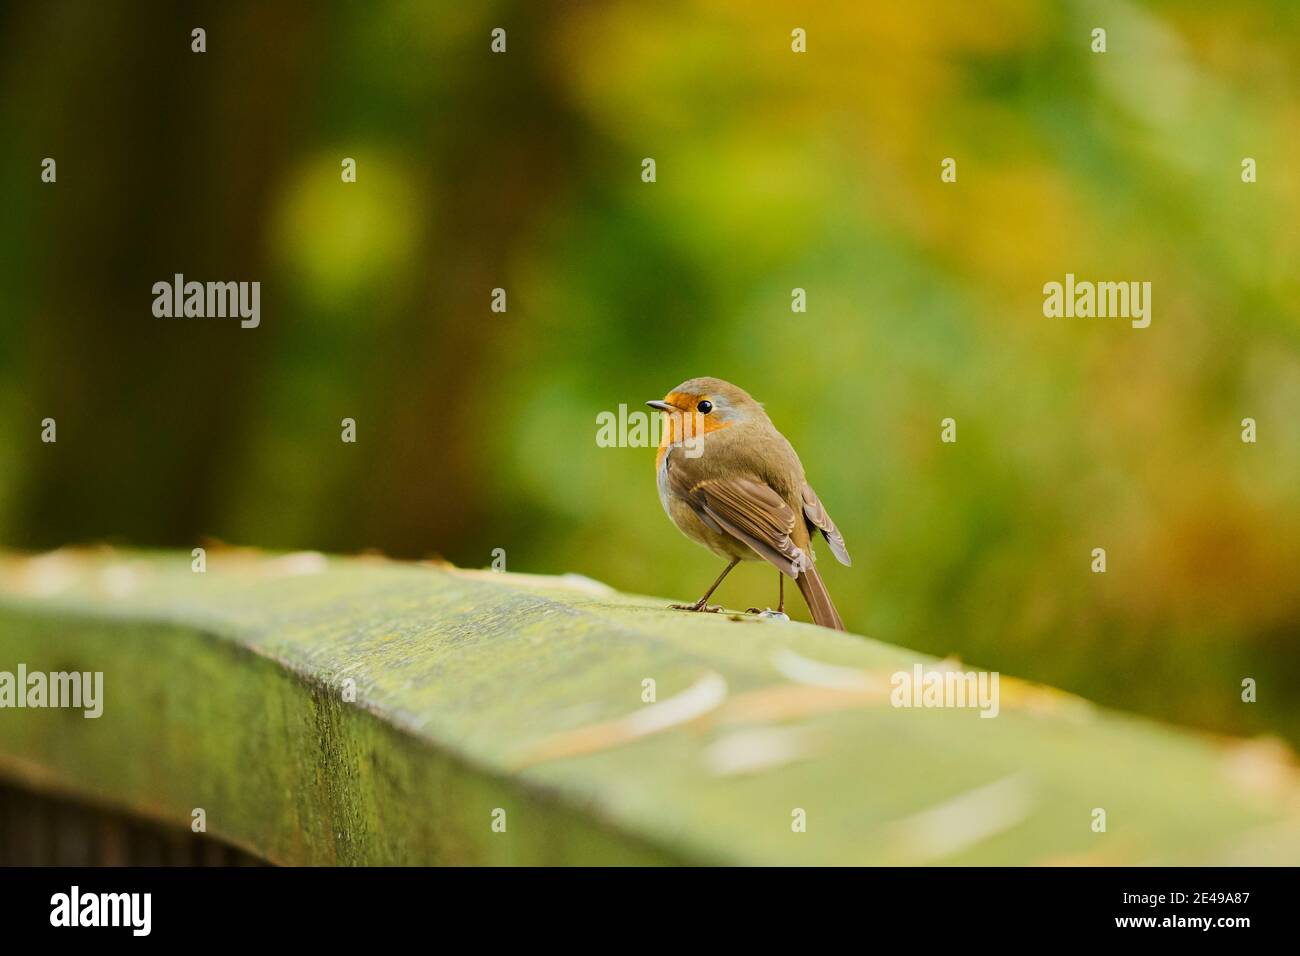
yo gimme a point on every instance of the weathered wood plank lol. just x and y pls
(477, 691)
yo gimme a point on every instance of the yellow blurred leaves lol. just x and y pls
(345, 240)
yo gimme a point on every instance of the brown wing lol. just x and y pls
(747, 509)
(817, 517)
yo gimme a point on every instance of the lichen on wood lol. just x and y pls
(360, 711)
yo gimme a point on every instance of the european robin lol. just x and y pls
(731, 482)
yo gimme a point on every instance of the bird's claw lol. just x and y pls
(697, 606)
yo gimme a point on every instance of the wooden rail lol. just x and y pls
(360, 711)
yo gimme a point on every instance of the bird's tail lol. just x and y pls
(818, 598)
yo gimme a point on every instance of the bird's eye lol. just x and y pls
(705, 407)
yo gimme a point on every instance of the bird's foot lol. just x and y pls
(697, 606)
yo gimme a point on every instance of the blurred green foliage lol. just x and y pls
(775, 171)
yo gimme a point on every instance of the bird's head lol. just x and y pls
(705, 405)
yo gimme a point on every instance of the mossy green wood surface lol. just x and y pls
(478, 691)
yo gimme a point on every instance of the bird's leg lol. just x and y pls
(780, 607)
(703, 603)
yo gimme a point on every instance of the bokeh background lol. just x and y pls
(775, 170)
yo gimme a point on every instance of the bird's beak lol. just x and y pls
(663, 406)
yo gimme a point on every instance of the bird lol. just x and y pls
(733, 483)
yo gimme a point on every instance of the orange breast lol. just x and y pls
(679, 426)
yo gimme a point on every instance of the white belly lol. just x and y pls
(689, 522)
